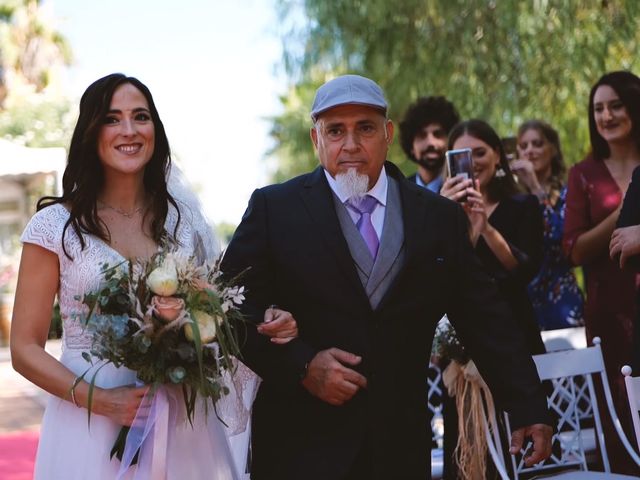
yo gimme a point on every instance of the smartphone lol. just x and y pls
(510, 146)
(459, 164)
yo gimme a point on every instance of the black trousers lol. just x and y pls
(362, 468)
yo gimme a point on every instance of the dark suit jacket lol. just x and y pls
(630, 216)
(298, 258)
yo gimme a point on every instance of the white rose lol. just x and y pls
(163, 280)
(206, 325)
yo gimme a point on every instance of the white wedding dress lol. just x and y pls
(69, 447)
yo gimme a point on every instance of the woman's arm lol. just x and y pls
(500, 248)
(594, 241)
(582, 240)
(480, 226)
(37, 285)
(521, 252)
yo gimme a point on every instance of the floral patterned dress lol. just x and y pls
(557, 300)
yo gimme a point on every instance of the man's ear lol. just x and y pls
(314, 136)
(389, 129)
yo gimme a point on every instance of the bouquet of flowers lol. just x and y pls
(171, 320)
(446, 344)
(463, 381)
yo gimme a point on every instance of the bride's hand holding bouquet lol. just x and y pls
(174, 322)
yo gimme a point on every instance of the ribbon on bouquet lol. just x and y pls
(465, 383)
(149, 435)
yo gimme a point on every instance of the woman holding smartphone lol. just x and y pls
(506, 230)
(506, 225)
(595, 191)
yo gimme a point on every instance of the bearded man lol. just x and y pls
(423, 135)
(367, 263)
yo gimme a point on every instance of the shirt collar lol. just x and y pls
(434, 185)
(379, 190)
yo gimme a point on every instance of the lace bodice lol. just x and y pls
(82, 273)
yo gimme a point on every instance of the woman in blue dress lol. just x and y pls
(554, 293)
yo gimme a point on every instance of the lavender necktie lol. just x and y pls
(364, 206)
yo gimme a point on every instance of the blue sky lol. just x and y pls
(210, 65)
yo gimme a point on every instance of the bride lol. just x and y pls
(116, 205)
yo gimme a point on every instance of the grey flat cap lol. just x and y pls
(348, 90)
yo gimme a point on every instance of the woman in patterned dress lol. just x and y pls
(557, 300)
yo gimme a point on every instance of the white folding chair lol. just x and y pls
(434, 398)
(568, 339)
(494, 444)
(633, 393)
(562, 368)
(564, 338)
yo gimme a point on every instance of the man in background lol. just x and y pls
(423, 135)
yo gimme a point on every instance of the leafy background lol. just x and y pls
(504, 61)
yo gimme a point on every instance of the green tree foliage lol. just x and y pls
(505, 61)
(29, 45)
(33, 111)
(225, 232)
(38, 122)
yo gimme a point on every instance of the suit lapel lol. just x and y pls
(414, 215)
(317, 198)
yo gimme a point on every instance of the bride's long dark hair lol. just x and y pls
(83, 177)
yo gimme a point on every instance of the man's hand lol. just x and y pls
(328, 379)
(625, 242)
(279, 325)
(541, 436)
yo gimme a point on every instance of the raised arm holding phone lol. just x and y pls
(506, 225)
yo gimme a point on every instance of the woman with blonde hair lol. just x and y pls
(554, 292)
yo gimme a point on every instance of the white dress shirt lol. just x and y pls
(379, 192)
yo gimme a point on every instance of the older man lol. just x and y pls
(367, 280)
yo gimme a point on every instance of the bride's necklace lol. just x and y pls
(122, 212)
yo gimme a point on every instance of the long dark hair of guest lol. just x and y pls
(500, 186)
(627, 86)
(83, 176)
